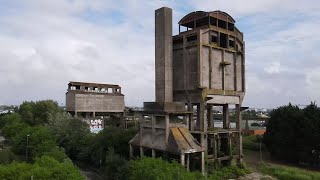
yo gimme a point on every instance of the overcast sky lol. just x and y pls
(44, 44)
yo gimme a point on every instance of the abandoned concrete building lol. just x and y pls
(92, 101)
(195, 70)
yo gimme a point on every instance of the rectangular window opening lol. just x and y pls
(223, 40)
(213, 21)
(230, 27)
(231, 42)
(222, 24)
(178, 41)
(192, 38)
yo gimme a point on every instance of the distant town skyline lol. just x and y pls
(46, 44)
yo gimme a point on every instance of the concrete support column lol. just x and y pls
(229, 149)
(226, 121)
(188, 162)
(131, 151)
(182, 159)
(202, 163)
(215, 148)
(239, 136)
(190, 108)
(94, 114)
(198, 116)
(202, 117)
(167, 120)
(153, 152)
(209, 116)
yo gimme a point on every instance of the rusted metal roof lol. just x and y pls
(201, 14)
(184, 140)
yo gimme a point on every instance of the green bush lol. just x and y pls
(6, 156)
(111, 137)
(158, 169)
(229, 172)
(43, 168)
(252, 142)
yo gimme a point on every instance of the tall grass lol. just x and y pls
(288, 173)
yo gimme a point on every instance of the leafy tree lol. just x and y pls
(293, 134)
(71, 133)
(116, 166)
(111, 137)
(37, 113)
(40, 141)
(11, 124)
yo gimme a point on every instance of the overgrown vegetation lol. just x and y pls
(43, 168)
(151, 168)
(252, 142)
(288, 173)
(293, 134)
(51, 139)
(32, 148)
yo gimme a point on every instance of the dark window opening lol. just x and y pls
(222, 24)
(178, 41)
(77, 87)
(214, 39)
(213, 21)
(202, 22)
(86, 88)
(223, 40)
(230, 27)
(192, 38)
(231, 44)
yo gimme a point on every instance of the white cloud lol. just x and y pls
(273, 68)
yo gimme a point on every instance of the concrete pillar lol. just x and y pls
(163, 55)
(203, 124)
(215, 148)
(153, 152)
(190, 108)
(239, 136)
(198, 116)
(182, 159)
(131, 151)
(226, 121)
(209, 116)
(167, 120)
(229, 149)
(202, 163)
(188, 162)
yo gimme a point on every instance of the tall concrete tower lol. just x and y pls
(200, 68)
(163, 55)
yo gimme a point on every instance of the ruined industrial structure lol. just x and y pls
(195, 70)
(94, 102)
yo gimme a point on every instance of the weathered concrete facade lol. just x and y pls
(90, 99)
(195, 70)
(209, 70)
